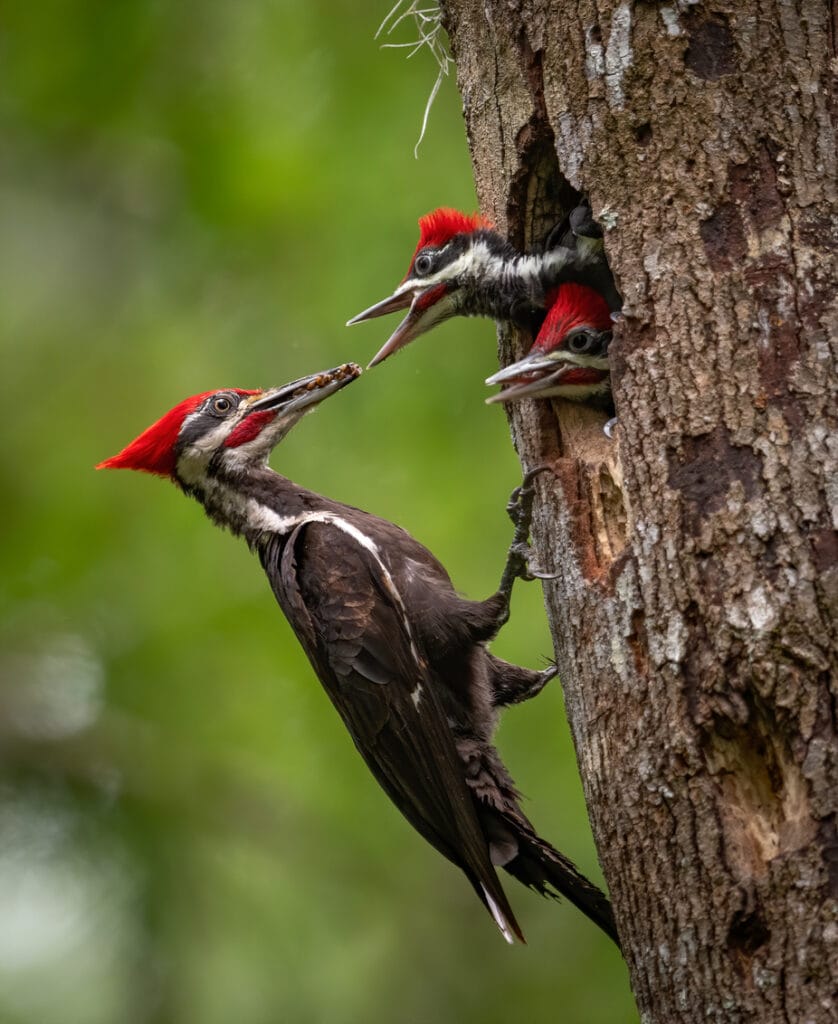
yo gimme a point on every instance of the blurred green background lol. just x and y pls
(196, 195)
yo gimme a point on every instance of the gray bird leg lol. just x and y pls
(518, 565)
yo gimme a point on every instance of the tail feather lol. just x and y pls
(514, 844)
(507, 924)
(493, 898)
(541, 867)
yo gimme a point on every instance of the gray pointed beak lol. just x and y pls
(404, 296)
(529, 388)
(429, 307)
(407, 330)
(529, 377)
(306, 391)
(529, 364)
(400, 299)
(539, 376)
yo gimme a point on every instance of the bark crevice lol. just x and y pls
(695, 610)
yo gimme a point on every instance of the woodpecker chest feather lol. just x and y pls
(403, 659)
(271, 512)
(401, 655)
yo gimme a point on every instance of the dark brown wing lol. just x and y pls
(349, 618)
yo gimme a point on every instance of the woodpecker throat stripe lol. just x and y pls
(250, 427)
(429, 298)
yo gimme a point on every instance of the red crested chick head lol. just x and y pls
(570, 306)
(441, 225)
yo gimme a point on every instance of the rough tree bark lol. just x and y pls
(696, 609)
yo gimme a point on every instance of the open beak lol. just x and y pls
(408, 329)
(306, 391)
(537, 375)
(400, 299)
(539, 365)
(428, 307)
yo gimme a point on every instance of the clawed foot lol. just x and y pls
(519, 508)
(545, 675)
(512, 684)
(520, 555)
(608, 429)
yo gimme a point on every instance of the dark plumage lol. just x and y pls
(401, 655)
(463, 267)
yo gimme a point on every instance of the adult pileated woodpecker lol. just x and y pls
(569, 358)
(401, 655)
(462, 267)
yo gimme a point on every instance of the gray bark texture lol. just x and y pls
(696, 608)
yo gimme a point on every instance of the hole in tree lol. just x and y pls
(748, 932)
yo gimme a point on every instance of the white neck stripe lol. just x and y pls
(264, 518)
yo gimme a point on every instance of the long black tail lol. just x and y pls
(514, 844)
(541, 867)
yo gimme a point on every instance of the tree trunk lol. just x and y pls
(696, 606)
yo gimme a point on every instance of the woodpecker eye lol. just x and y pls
(423, 264)
(222, 405)
(582, 341)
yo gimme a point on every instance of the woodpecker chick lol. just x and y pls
(400, 654)
(569, 358)
(463, 267)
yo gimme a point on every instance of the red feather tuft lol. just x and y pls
(154, 450)
(440, 226)
(569, 306)
(437, 227)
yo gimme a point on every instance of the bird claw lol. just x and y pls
(608, 429)
(542, 678)
(519, 508)
(519, 557)
(582, 223)
(537, 574)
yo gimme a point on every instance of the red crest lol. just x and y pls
(440, 226)
(573, 305)
(154, 450)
